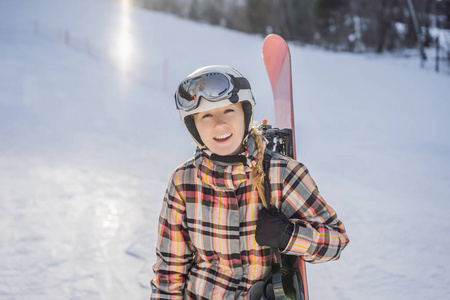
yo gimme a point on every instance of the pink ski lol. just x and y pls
(278, 65)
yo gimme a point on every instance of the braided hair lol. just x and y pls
(258, 174)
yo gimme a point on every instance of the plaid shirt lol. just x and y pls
(206, 247)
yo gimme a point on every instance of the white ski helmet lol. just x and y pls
(212, 87)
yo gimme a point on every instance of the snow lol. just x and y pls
(89, 136)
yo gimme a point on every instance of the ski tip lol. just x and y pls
(274, 37)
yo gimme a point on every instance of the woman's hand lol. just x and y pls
(273, 228)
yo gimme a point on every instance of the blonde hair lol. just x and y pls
(257, 175)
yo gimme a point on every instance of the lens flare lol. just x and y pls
(123, 50)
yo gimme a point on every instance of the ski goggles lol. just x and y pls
(212, 86)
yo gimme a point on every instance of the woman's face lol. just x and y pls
(222, 129)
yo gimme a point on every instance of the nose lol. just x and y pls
(219, 120)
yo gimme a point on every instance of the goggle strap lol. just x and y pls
(241, 83)
(234, 98)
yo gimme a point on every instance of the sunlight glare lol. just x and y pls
(124, 41)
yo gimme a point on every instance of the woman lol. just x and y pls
(214, 233)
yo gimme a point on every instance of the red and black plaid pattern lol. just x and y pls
(319, 236)
(206, 247)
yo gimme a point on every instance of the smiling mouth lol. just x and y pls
(223, 138)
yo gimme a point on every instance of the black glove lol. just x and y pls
(273, 228)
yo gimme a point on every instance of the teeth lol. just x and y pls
(222, 137)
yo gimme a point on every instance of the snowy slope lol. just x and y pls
(89, 136)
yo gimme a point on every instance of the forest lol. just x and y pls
(339, 25)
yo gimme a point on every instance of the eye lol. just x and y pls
(206, 116)
(229, 110)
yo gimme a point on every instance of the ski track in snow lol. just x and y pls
(89, 137)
